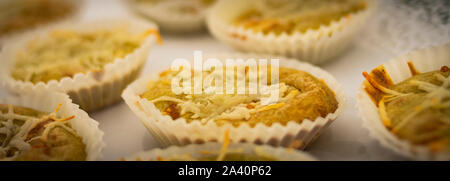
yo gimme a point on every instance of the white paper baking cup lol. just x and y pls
(92, 91)
(77, 14)
(171, 21)
(425, 60)
(282, 154)
(178, 132)
(314, 46)
(85, 127)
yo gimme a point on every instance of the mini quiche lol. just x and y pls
(415, 110)
(222, 152)
(47, 126)
(295, 104)
(311, 30)
(91, 61)
(301, 96)
(66, 53)
(176, 16)
(21, 15)
(28, 134)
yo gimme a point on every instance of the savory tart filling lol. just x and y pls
(416, 109)
(290, 16)
(300, 96)
(67, 52)
(19, 15)
(30, 135)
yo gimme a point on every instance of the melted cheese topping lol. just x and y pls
(66, 52)
(289, 16)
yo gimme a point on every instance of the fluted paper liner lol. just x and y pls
(84, 126)
(92, 91)
(169, 20)
(425, 60)
(178, 132)
(314, 46)
(279, 153)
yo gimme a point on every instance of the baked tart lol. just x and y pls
(28, 132)
(21, 15)
(310, 30)
(66, 53)
(91, 61)
(221, 152)
(294, 109)
(176, 16)
(301, 96)
(414, 110)
(33, 135)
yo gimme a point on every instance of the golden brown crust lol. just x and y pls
(315, 100)
(412, 69)
(444, 69)
(172, 111)
(375, 81)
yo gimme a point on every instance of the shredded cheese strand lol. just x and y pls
(223, 150)
(383, 89)
(54, 124)
(18, 134)
(383, 114)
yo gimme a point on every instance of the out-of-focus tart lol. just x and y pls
(296, 107)
(289, 17)
(311, 30)
(177, 16)
(222, 152)
(28, 134)
(91, 61)
(406, 104)
(46, 126)
(66, 53)
(21, 15)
